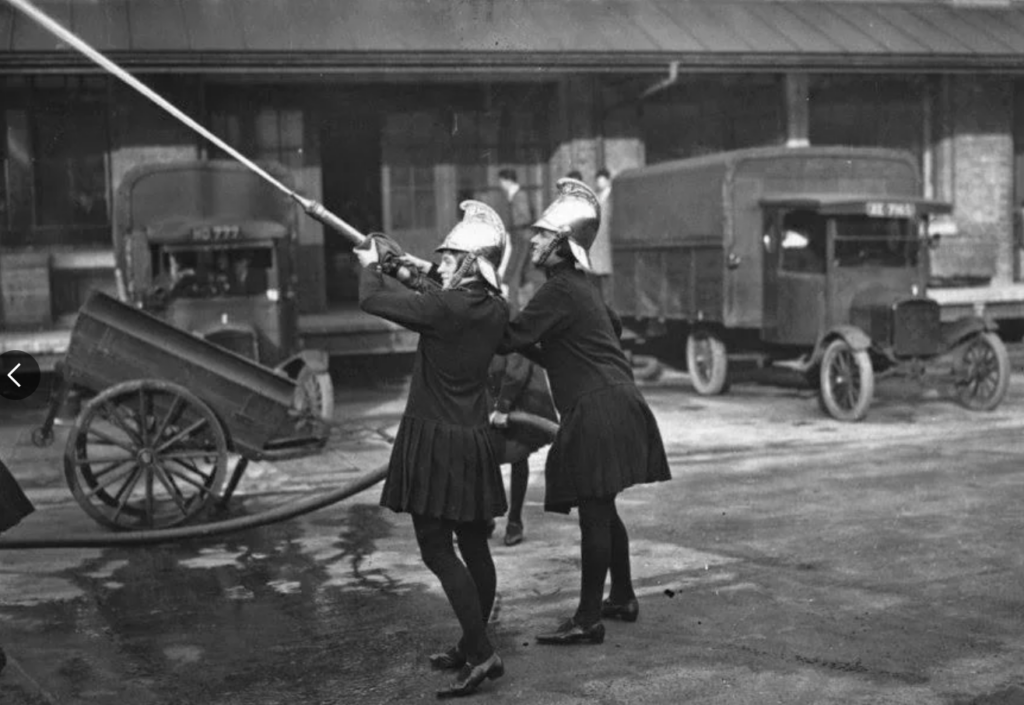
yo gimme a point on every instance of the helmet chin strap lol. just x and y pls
(550, 249)
(467, 261)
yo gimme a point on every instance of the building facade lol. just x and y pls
(391, 113)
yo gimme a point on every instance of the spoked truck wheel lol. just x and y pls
(985, 373)
(145, 454)
(315, 391)
(847, 381)
(707, 362)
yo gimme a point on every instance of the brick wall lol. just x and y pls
(974, 154)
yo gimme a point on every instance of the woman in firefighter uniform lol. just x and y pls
(444, 467)
(608, 439)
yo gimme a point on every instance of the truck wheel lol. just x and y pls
(646, 368)
(316, 392)
(847, 381)
(985, 373)
(707, 363)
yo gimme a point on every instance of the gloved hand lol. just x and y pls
(367, 252)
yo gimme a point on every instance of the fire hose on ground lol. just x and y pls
(272, 516)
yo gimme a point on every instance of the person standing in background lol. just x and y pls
(601, 250)
(520, 276)
(516, 384)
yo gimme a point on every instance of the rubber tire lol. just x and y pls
(646, 368)
(866, 374)
(318, 389)
(717, 381)
(996, 345)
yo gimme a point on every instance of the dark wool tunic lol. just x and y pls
(444, 463)
(608, 439)
(14, 505)
(516, 384)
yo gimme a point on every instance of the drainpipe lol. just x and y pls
(673, 78)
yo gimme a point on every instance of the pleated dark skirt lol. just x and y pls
(14, 505)
(444, 471)
(607, 442)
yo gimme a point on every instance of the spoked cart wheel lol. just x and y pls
(145, 454)
(847, 381)
(985, 373)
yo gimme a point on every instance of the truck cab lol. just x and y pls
(838, 260)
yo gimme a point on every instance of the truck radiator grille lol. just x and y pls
(240, 342)
(916, 328)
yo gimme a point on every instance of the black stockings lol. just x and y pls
(520, 478)
(469, 586)
(604, 546)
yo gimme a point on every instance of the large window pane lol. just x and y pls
(426, 215)
(864, 111)
(70, 145)
(401, 209)
(712, 114)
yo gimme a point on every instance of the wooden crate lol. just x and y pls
(25, 290)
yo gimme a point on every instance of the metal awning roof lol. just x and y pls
(369, 35)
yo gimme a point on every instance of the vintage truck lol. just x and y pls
(211, 248)
(812, 256)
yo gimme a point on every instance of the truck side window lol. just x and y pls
(802, 243)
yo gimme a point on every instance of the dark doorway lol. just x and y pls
(351, 159)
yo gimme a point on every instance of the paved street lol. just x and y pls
(793, 559)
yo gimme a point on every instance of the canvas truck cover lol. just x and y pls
(687, 235)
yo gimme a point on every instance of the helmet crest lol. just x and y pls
(575, 215)
(577, 189)
(480, 234)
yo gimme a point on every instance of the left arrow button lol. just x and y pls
(19, 375)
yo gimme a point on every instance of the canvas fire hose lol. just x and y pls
(313, 208)
(228, 526)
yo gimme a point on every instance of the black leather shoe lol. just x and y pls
(448, 660)
(513, 533)
(470, 677)
(627, 611)
(569, 632)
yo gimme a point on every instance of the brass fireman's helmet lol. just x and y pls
(575, 215)
(481, 235)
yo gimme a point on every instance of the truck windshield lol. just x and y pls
(209, 271)
(862, 241)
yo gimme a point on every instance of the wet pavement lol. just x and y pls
(793, 559)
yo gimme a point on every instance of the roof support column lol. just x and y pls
(797, 110)
(577, 143)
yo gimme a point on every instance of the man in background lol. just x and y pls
(521, 278)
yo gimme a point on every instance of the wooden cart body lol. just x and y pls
(165, 411)
(113, 342)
